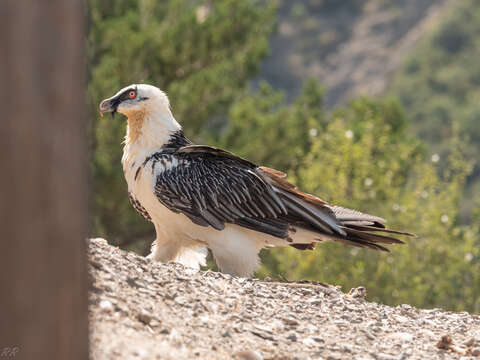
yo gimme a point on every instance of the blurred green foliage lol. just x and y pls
(362, 156)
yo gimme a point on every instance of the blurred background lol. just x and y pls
(374, 104)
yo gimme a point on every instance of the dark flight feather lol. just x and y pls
(213, 187)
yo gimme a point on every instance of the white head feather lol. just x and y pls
(150, 119)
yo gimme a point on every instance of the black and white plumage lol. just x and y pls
(201, 197)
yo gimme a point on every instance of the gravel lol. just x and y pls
(144, 310)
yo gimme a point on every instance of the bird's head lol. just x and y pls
(137, 99)
(150, 120)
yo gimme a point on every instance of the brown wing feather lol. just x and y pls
(278, 179)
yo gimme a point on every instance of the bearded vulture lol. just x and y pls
(200, 197)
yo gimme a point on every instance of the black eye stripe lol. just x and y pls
(124, 95)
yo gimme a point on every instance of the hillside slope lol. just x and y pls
(439, 85)
(351, 47)
(143, 310)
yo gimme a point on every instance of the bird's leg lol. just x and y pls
(188, 253)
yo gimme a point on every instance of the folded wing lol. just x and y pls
(214, 187)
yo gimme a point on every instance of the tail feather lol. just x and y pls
(359, 236)
(316, 219)
(344, 214)
(320, 216)
(379, 229)
(374, 238)
(358, 242)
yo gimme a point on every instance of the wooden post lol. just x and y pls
(43, 180)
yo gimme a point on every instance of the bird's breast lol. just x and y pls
(142, 178)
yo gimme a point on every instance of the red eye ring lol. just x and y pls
(132, 94)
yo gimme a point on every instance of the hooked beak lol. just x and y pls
(108, 105)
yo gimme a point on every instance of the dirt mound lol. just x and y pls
(144, 310)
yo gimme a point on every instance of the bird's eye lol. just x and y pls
(132, 94)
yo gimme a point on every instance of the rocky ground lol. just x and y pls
(144, 310)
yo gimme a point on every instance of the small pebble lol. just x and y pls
(106, 306)
(247, 355)
(292, 337)
(144, 317)
(359, 292)
(476, 352)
